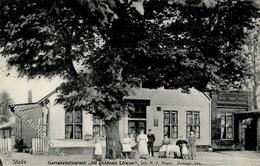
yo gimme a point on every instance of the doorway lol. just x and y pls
(250, 136)
(134, 126)
(137, 119)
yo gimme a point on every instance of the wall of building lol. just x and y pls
(228, 102)
(165, 99)
(24, 127)
(57, 127)
(181, 102)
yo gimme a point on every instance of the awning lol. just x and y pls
(246, 114)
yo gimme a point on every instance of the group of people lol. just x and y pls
(184, 149)
(143, 144)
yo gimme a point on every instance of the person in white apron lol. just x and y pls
(97, 150)
(142, 144)
(127, 141)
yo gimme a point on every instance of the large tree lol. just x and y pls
(103, 48)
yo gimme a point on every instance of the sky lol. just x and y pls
(18, 87)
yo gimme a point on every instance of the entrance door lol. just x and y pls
(134, 126)
(137, 119)
(250, 136)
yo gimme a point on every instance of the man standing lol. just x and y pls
(151, 139)
(192, 144)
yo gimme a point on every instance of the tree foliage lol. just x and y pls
(251, 50)
(5, 102)
(120, 44)
(103, 48)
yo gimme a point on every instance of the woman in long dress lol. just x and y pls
(164, 147)
(142, 144)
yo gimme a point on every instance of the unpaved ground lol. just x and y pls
(243, 158)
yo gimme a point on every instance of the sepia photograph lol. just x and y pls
(129, 82)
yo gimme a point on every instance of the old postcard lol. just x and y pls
(129, 82)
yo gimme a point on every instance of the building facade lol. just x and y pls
(221, 120)
(235, 125)
(164, 111)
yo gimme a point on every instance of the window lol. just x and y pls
(99, 127)
(193, 123)
(227, 126)
(170, 122)
(73, 124)
(139, 112)
(5, 133)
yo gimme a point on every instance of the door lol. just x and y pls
(137, 119)
(250, 136)
(134, 126)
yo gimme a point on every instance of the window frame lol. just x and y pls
(139, 111)
(193, 125)
(101, 124)
(170, 124)
(74, 124)
(226, 127)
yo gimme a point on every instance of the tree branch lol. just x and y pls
(68, 61)
(70, 67)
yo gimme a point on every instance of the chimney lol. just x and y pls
(29, 96)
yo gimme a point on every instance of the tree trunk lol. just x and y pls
(114, 147)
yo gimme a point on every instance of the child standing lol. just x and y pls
(127, 145)
(97, 150)
(185, 151)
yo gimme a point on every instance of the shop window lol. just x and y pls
(99, 127)
(193, 123)
(170, 122)
(73, 124)
(227, 126)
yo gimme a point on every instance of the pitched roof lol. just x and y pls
(39, 101)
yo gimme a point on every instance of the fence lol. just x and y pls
(40, 146)
(5, 145)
